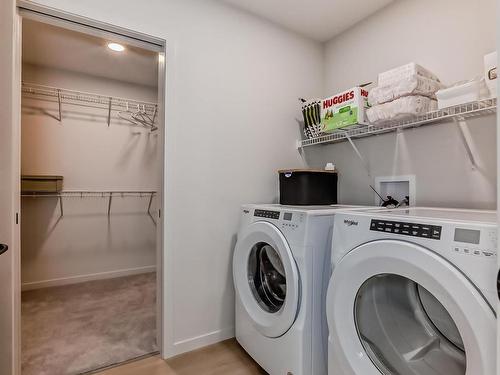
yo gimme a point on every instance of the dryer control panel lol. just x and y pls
(268, 214)
(477, 242)
(407, 229)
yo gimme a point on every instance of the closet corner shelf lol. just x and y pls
(456, 113)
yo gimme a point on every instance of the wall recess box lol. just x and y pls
(397, 187)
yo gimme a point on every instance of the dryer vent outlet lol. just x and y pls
(398, 187)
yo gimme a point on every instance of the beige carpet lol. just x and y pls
(78, 328)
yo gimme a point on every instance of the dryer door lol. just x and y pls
(398, 308)
(266, 278)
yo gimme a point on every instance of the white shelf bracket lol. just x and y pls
(149, 207)
(109, 110)
(59, 104)
(466, 139)
(109, 203)
(61, 207)
(359, 155)
(300, 148)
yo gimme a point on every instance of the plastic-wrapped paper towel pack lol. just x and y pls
(403, 92)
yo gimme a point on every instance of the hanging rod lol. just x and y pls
(139, 112)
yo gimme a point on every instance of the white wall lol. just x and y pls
(449, 38)
(232, 88)
(85, 243)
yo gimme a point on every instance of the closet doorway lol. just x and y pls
(91, 183)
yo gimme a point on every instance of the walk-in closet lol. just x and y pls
(91, 176)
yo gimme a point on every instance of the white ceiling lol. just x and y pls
(54, 47)
(317, 19)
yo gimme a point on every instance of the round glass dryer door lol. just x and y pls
(267, 277)
(397, 308)
(405, 330)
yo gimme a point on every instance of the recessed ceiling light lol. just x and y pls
(116, 47)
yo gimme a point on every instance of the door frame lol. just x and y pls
(37, 12)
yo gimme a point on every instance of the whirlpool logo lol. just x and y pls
(350, 223)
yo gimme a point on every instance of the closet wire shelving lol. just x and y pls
(136, 112)
(458, 114)
(96, 194)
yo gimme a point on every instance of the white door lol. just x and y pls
(8, 175)
(398, 308)
(266, 278)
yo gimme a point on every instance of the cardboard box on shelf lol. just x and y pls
(344, 109)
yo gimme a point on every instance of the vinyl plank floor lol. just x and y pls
(226, 357)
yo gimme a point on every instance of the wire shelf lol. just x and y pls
(131, 110)
(92, 194)
(462, 111)
(109, 195)
(35, 91)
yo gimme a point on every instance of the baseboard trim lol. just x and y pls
(89, 277)
(197, 342)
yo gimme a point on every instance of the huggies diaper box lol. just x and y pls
(344, 109)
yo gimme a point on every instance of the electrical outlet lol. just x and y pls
(397, 187)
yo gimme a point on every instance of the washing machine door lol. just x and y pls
(395, 307)
(266, 278)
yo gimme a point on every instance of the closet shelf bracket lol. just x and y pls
(59, 105)
(61, 207)
(149, 208)
(366, 165)
(109, 203)
(109, 110)
(466, 138)
(149, 203)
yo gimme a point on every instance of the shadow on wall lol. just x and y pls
(229, 291)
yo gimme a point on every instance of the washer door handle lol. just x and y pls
(3, 248)
(498, 284)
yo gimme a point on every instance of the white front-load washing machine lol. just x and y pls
(413, 293)
(281, 269)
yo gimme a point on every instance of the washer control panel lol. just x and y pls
(407, 229)
(284, 220)
(267, 214)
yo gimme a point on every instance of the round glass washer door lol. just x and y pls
(397, 308)
(266, 278)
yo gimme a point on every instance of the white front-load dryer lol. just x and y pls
(413, 293)
(281, 269)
